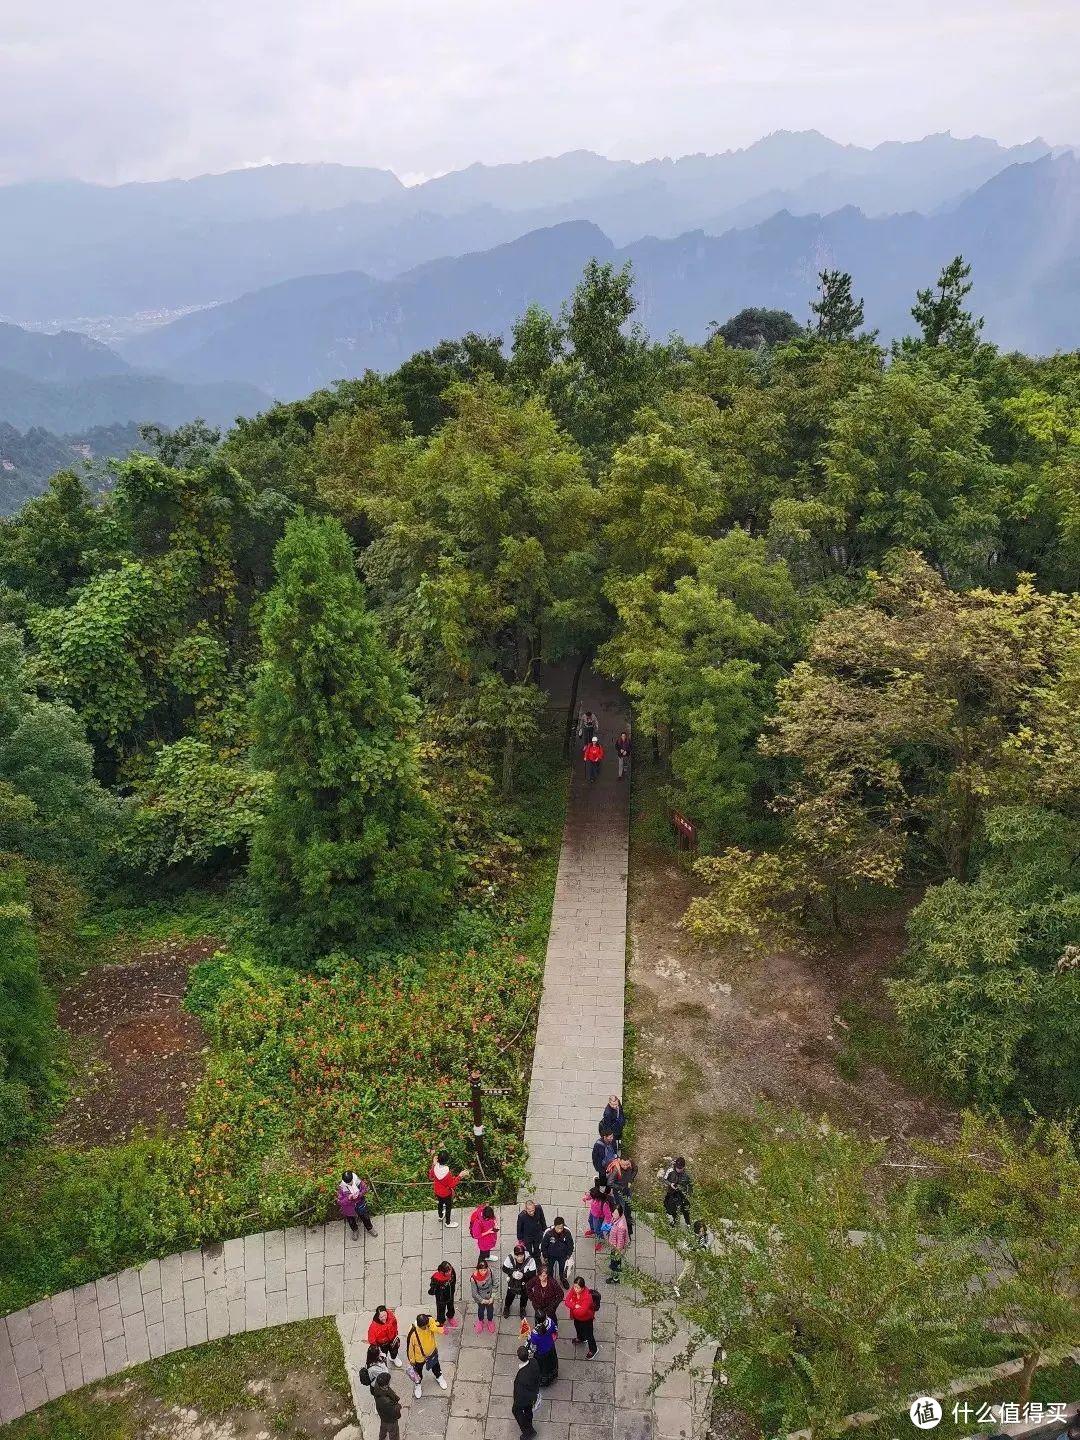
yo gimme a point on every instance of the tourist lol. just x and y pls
(599, 1222)
(622, 1172)
(352, 1193)
(531, 1224)
(484, 1229)
(618, 1240)
(387, 1407)
(422, 1352)
(613, 1119)
(701, 1235)
(526, 1390)
(583, 1304)
(374, 1365)
(556, 1249)
(545, 1295)
(442, 1286)
(622, 750)
(519, 1267)
(482, 1286)
(677, 1187)
(593, 754)
(444, 1182)
(542, 1338)
(383, 1332)
(588, 728)
(603, 1151)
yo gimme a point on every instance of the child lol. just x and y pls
(622, 750)
(482, 1285)
(383, 1332)
(484, 1229)
(701, 1235)
(582, 1303)
(599, 1223)
(352, 1195)
(444, 1182)
(593, 754)
(442, 1286)
(422, 1349)
(618, 1239)
(519, 1267)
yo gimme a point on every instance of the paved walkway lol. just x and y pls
(295, 1274)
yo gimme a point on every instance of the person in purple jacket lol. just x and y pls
(352, 1202)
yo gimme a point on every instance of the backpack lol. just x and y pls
(363, 1376)
(596, 1298)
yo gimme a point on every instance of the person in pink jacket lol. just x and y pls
(599, 1202)
(618, 1239)
(484, 1229)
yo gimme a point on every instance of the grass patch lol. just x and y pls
(364, 1063)
(253, 1374)
(110, 932)
(1052, 1383)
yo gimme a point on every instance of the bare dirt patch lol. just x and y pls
(136, 1051)
(715, 1034)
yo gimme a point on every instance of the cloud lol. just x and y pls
(129, 90)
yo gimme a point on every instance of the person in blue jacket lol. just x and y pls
(542, 1337)
(603, 1151)
(614, 1118)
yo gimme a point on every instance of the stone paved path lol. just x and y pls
(294, 1274)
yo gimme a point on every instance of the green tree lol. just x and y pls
(906, 467)
(483, 561)
(50, 547)
(423, 383)
(902, 728)
(27, 1029)
(753, 328)
(835, 314)
(701, 660)
(52, 810)
(940, 312)
(819, 1286)
(1019, 1194)
(988, 992)
(348, 846)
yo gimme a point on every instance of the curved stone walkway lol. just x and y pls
(268, 1279)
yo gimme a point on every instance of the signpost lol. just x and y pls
(685, 831)
(475, 1103)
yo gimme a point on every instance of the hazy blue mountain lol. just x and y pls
(66, 356)
(76, 250)
(1021, 230)
(119, 399)
(292, 338)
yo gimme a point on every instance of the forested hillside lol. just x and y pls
(294, 673)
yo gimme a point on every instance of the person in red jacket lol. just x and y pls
(444, 1182)
(383, 1332)
(593, 754)
(581, 1302)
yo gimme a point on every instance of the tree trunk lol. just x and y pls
(571, 713)
(1027, 1377)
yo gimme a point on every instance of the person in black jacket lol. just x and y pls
(603, 1151)
(519, 1268)
(556, 1248)
(442, 1286)
(613, 1119)
(388, 1407)
(526, 1390)
(531, 1224)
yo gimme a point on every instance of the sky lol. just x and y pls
(144, 89)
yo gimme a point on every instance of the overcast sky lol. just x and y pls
(139, 89)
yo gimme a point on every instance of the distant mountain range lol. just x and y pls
(78, 250)
(1021, 231)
